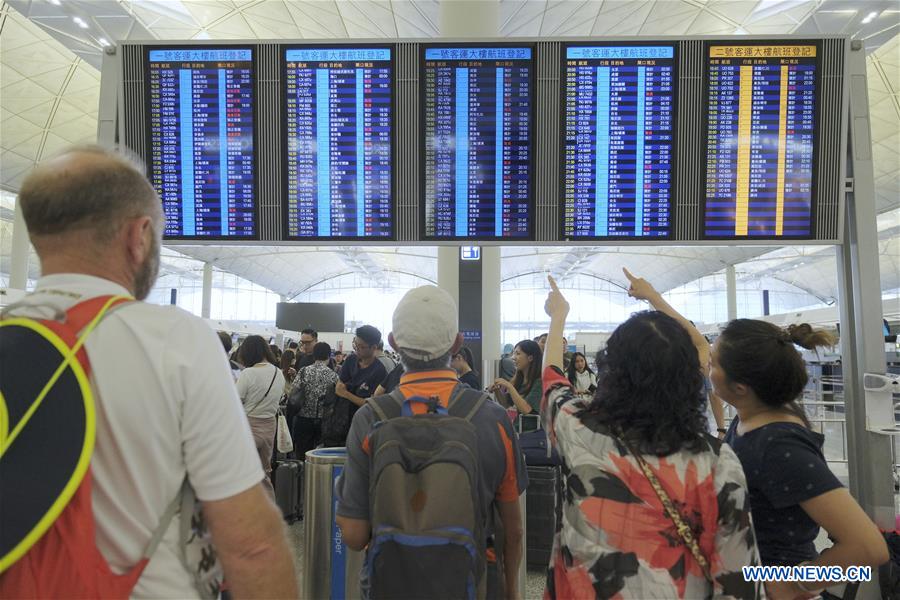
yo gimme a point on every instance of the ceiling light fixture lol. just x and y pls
(54, 2)
(870, 17)
(80, 22)
(103, 42)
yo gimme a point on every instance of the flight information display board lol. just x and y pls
(201, 154)
(760, 135)
(619, 111)
(339, 121)
(478, 114)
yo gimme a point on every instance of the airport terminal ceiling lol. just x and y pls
(50, 53)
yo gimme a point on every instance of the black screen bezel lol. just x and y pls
(282, 57)
(148, 157)
(673, 182)
(814, 176)
(423, 236)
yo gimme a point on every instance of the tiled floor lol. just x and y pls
(534, 584)
(295, 534)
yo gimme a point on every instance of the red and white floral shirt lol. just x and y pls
(616, 540)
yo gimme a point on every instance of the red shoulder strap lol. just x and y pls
(84, 312)
(77, 318)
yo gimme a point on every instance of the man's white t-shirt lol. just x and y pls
(166, 406)
(260, 388)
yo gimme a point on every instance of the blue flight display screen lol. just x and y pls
(339, 142)
(478, 152)
(619, 110)
(760, 138)
(201, 148)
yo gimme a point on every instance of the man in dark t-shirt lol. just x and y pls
(392, 380)
(362, 371)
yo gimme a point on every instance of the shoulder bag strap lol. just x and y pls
(268, 389)
(687, 536)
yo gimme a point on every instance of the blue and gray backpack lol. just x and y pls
(428, 526)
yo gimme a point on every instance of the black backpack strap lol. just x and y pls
(465, 402)
(387, 406)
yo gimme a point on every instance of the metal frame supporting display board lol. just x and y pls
(124, 103)
(870, 416)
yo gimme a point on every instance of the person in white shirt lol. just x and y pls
(260, 387)
(581, 376)
(166, 404)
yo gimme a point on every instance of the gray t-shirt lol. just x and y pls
(502, 469)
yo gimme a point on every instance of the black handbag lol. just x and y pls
(337, 414)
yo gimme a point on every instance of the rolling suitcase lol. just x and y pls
(543, 513)
(288, 489)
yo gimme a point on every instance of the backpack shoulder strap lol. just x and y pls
(387, 406)
(84, 313)
(466, 402)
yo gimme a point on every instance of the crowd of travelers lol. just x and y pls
(656, 502)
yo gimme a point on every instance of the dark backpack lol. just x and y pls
(337, 414)
(428, 526)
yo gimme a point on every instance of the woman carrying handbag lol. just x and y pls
(260, 386)
(655, 507)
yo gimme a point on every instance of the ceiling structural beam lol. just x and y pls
(362, 262)
(570, 264)
(293, 294)
(611, 282)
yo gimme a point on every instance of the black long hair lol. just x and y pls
(762, 356)
(255, 350)
(523, 383)
(466, 354)
(572, 372)
(649, 386)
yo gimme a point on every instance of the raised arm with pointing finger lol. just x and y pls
(641, 289)
(556, 307)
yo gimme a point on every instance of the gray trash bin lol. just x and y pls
(330, 569)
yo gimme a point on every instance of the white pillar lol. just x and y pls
(490, 303)
(207, 291)
(448, 271)
(18, 272)
(469, 18)
(731, 291)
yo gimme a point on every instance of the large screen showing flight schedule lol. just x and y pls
(617, 154)
(478, 111)
(339, 119)
(201, 149)
(760, 136)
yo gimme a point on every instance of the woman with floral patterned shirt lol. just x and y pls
(310, 387)
(617, 539)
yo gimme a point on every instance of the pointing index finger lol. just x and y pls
(553, 285)
(628, 274)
